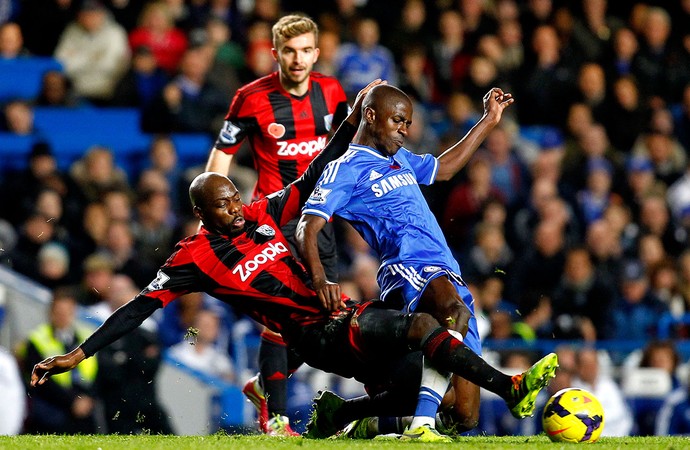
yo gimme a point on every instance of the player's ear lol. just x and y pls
(317, 52)
(369, 114)
(274, 52)
(197, 213)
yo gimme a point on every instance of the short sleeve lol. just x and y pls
(424, 166)
(333, 190)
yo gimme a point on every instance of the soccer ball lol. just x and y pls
(573, 415)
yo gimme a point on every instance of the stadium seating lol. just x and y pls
(72, 131)
(645, 389)
(21, 78)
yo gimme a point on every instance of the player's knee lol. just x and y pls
(457, 317)
(422, 324)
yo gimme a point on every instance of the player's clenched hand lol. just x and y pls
(55, 365)
(495, 101)
(329, 296)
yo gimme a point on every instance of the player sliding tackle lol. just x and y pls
(349, 342)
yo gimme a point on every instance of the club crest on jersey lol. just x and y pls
(228, 134)
(374, 175)
(328, 121)
(157, 284)
(276, 130)
(318, 196)
(431, 269)
(266, 230)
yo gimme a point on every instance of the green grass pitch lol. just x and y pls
(255, 442)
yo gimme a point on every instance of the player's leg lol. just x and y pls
(385, 333)
(442, 301)
(268, 393)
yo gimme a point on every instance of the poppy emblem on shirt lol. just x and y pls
(266, 230)
(276, 130)
(394, 165)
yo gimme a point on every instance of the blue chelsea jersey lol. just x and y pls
(380, 196)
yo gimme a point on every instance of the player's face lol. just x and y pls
(296, 58)
(389, 128)
(222, 209)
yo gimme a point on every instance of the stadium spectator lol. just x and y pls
(508, 174)
(65, 403)
(143, 81)
(466, 202)
(152, 230)
(94, 52)
(449, 53)
(604, 245)
(365, 59)
(592, 377)
(672, 419)
(18, 118)
(540, 267)
(202, 353)
(662, 69)
(189, 103)
(130, 407)
(120, 247)
(488, 254)
(655, 219)
(627, 114)
(11, 41)
(583, 299)
(12, 391)
(416, 75)
(156, 30)
(57, 90)
(636, 311)
(96, 173)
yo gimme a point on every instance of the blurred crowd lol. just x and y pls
(571, 222)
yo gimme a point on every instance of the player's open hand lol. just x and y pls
(495, 102)
(356, 113)
(329, 295)
(55, 365)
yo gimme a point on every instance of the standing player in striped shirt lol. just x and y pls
(286, 116)
(375, 186)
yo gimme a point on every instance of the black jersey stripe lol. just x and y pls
(319, 109)
(271, 286)
(288, 170)
(283, 114)
(225, 250)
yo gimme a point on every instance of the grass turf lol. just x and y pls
(256, 442)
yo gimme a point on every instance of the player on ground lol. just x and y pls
(375, 186)
(286, 117)
(241, 257)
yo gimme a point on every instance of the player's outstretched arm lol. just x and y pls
(56, 365)
(455, 158)
(122, 321)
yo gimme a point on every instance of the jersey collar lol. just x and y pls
(371, 151)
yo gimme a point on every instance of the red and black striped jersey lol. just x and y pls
(285, 132)
(254, 271)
